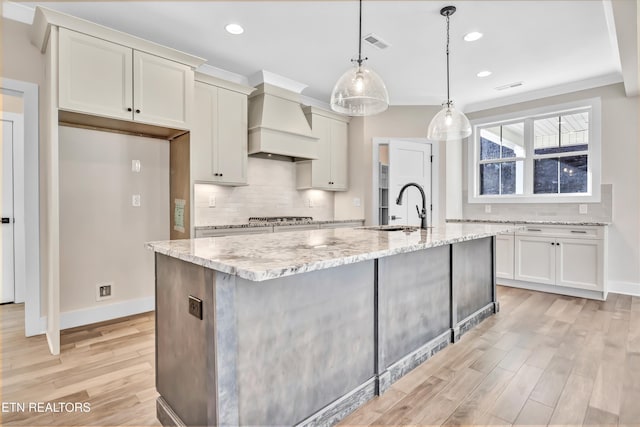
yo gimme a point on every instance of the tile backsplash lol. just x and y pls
(597, 212)
(271, 192)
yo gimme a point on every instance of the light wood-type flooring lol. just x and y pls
(544, 359)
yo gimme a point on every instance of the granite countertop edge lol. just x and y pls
(262, 274)
(539, 222)
(276, 224)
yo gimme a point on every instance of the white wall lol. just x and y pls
(102, 235)
(620, 179)
(271, 192)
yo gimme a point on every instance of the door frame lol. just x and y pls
(19, 255)
(435, 174)
(26, 193)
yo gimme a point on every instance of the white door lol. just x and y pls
(230, 137)
(504, 256)
(535, 259)
(96, 76)
(409, 162)
(579, 263)
(6, 230)
(339, 154)
(162, 91)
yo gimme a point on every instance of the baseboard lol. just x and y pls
(553, 289)
(625, 288)
(87, 316)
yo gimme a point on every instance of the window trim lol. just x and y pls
(594, 154)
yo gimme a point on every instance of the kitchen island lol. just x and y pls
(301, 328)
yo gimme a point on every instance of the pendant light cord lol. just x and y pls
(360, 36)
(448, 95)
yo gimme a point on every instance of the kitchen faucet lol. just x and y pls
(422, 214)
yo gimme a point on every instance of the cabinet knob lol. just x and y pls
(138, 111)
(216, 174)
(552, 243)
(129, 109)
(221, 174)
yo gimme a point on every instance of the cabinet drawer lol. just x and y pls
(217, 232)
(574, 232)
(282, 228)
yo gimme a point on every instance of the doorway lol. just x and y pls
(20, 106)
(7, 254)
(398, 161)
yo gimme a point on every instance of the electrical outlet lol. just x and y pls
(487, 208)
(135, 200)
(104, 291)
(356, 202)
(212, 201)
(310, 203)
(135, 165)
(195, 307)
(583, 209)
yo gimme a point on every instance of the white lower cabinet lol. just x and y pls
(504, 256)
(535, 259)
(580, 263)
(561, 259)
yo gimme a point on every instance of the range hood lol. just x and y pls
(278, 128)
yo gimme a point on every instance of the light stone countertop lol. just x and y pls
(274, 224)
(538, 222)
(261, 257)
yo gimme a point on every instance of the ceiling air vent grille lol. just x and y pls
(376, 41)
(510, 86)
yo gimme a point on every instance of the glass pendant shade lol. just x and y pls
(359, 92)
(449, 124)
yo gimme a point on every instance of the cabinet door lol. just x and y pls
(163, 91)
(201, 138)
(230, 137)
(321, 168)
(95, 76)
(504, 256)
(535, 259)
(339, 155)
(580, 263)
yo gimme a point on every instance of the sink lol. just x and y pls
(405, 228)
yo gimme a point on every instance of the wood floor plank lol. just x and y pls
(573, 402)
(549, 388)
(534, 414)
(516, 394)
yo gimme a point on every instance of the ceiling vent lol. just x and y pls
(510, 86)
(376, 41)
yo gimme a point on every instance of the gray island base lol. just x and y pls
(306, 334)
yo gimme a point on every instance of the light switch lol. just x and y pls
(583, 209)
(135, 200)
(135, 165)
(212, 201)
(487, 208)
(310, 203)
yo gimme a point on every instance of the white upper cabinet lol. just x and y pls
(329, 171)
(107, 79)
(96, 76)
(162, 91)
(219, 132)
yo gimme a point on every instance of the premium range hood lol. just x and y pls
(278, 128)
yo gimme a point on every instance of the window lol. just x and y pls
(546, 155)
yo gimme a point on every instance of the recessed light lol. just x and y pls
(472, 36)
(485, 73)
(234, 29)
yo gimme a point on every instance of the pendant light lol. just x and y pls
(360, 91)
(449, 124)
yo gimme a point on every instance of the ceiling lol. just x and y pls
(544, 44)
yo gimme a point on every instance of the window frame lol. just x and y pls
(594, 157)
